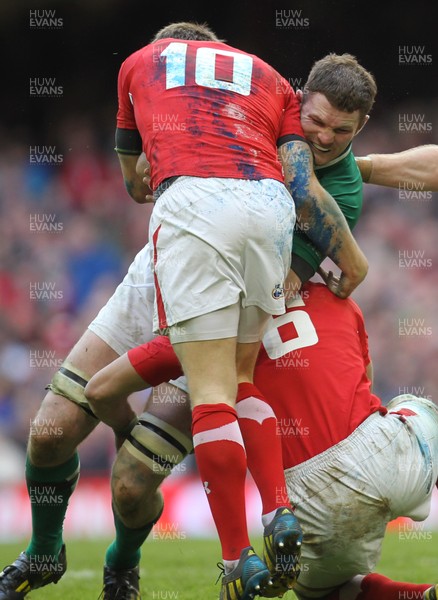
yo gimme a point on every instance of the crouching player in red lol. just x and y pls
(351, 464)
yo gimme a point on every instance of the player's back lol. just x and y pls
(312, 369)
(206, 109)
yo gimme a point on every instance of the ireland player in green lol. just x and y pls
(335, 105)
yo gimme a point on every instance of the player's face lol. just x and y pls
(327, 129)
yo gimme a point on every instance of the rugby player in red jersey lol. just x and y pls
(351, 464)
(213, 121)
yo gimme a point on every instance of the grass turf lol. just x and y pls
(183, 569)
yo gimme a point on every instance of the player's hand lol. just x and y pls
(330, 279)
(354, 272)
(143, 169)
(323, 273)
(147, 181)
(340, 285)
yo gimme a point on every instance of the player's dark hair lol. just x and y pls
(344, 82)
(186, 30)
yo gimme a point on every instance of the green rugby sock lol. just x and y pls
(49, 491)
(124, 552)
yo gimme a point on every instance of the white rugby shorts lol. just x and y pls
(218, 241)
(126, 319)
(345, 496)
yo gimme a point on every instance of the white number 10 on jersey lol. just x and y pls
(205, 65)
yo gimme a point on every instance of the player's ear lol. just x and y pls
(365, 121)
(299, 95)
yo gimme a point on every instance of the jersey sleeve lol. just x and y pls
(291, 124)
(125, 112)
(156, 361)
(344, 182)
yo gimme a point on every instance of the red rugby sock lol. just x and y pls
(258, 424)
(221, 460)
(379, 587)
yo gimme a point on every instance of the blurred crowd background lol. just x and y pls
(68, 229)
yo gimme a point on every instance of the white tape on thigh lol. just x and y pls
(157, 444)
(70, 383)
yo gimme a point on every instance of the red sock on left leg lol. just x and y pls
(378, 587)
(221, 460)
(258, 425)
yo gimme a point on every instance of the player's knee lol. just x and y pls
(96, 390)
(59, 426)
(151, 451)
(137, 505)
(157, 445)
(125, 495)
(70, 382)
(133, 485)
(45, 444)
(130, 495)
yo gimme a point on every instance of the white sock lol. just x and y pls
(230, 565)
(266, 519)
(352, 589)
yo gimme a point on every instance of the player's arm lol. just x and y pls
(140, 368)
(133, 168)
(107, 393)
(133, 163)
(416, 166)
(128, 142)
(327, 227)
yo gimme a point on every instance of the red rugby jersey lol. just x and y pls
(206, 109)
(312, 370)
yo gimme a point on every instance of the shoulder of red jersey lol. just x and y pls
(319, 292)
(318, 298)
(132, 59)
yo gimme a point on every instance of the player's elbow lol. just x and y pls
(358, 267)
(361, 271)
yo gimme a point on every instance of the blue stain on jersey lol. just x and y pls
(195, 130)
(249, 171)
(227, 133)
(425, 451)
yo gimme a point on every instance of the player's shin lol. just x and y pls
(220, 456)
(258, 425)
(153, 448)
(49, 491)
(282, 536)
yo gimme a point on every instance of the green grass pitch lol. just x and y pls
(185, 569)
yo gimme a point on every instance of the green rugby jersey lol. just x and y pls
(341, 178)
